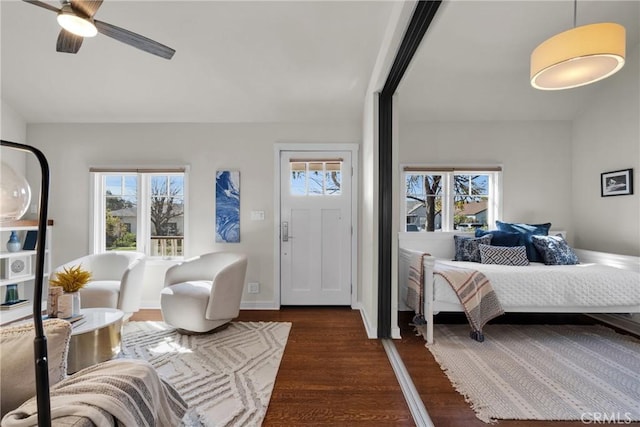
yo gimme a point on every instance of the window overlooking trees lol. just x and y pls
(140, 211)
(447, 199)
(167, 214)
(121, 201)
(315, 178)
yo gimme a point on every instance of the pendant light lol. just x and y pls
(579, 56)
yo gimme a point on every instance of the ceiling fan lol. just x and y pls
(76, 19)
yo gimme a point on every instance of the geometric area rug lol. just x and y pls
(587, 373)
(226, 377)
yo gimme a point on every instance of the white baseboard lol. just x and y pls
(150, 305)
(244, 305)
(395, 333)
(372, 331)
(259, 305)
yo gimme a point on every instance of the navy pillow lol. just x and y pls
(501, 238)
(555, 250)
(467, 248)
(527, 230)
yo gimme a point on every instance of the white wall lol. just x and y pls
(73, 148)
(13, 128)
(606, 137)
(368, 247)
(535, 157)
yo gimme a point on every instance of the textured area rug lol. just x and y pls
(226, 377)
(543, 372)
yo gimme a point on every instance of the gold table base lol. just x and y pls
(95, 346)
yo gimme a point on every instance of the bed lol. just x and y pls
(601, 283)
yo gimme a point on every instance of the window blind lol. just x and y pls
(452, 169)
(172, 169)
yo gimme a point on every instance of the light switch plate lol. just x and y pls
(257, 215)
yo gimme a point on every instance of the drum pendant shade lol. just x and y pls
(578, 56)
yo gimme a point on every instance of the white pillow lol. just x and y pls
(17, 364)
(503, 255)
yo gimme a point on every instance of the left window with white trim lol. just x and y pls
(140, 210)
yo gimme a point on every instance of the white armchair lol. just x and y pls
(203, 293)
(116, 280)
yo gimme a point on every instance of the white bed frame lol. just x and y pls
(440, 245)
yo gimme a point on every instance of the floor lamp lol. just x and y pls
(40, 341)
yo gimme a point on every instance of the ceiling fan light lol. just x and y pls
(578, 56)
(76, 24)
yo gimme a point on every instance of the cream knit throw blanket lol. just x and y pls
(475, 293)
(128, 390)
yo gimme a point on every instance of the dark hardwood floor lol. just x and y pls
(330, 374)
(446, 407)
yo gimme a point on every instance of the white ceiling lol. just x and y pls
(290, 61)
(474, 61)
(235, 61)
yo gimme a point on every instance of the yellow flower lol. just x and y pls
(72, 279)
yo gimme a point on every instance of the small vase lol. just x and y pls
(65, 306)
(13, 244)
(75, 308)
(68, 305)
(11, 294)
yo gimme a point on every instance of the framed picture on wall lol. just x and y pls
(616, 183)
(227, 206)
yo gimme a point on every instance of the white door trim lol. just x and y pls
(278, 148)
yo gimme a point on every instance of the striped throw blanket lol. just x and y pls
(415, 286)
(475, 293)
(129, 391)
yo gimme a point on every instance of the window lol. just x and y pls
(447, 199)
(315, 177)
(140, 210)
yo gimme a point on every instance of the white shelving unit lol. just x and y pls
(20, 268)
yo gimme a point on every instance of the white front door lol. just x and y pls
(315, 228)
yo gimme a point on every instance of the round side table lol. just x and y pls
(95, 338)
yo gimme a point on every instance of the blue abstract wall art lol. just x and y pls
(227, 206)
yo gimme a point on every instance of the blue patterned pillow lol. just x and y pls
(467, 247)
(527, 230)
(501, 238)
(555, 250)
(503, 255)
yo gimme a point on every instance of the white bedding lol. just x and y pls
(602, 283)
(539, 285)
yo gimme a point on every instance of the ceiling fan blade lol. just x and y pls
(86, 7)
(135, 40)
(43, 4)
(68, 42)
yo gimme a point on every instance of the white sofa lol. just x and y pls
(17, 371)
(87, 398)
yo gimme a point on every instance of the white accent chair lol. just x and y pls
(116, 280)
(203, 293)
